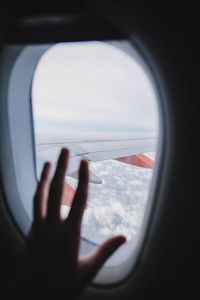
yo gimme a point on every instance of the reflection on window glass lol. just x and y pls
(97, 99)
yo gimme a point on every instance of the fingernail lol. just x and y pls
(119, 241)
(64, 151)
(47, 164)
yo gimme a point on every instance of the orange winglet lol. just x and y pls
(139, 160)
(68, 195)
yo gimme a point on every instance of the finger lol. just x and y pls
(56, 188)
(80, 198)
(41, 193)
(93, 263)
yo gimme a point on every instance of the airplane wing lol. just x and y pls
(124, 149)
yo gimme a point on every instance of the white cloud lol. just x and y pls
(117, 208)
(113, 210)
(105, 232)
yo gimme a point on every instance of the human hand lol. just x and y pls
(51, 265)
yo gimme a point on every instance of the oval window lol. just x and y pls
(98, 99)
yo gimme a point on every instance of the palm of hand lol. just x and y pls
(51, 262)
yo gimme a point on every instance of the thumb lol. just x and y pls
(93, 263)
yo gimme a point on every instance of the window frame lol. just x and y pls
(19, 87)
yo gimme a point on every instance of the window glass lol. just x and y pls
(98, 100)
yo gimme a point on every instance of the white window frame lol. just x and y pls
(17, 68)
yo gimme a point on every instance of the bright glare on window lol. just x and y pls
(98, 100)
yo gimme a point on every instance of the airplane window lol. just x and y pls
(98, 99)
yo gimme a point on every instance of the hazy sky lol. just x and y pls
(91, 86)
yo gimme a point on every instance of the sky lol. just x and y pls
(92, 88)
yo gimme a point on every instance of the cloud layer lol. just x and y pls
(116, 206)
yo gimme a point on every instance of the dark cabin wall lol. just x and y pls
(170, 259)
